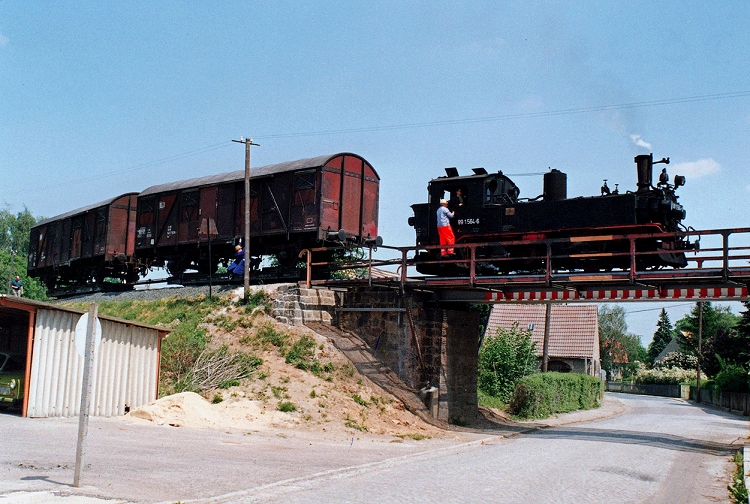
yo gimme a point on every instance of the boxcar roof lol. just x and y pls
(261, 171)
(82, 210)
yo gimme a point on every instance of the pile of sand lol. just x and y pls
(189, 409)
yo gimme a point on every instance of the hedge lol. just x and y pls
(544, 394)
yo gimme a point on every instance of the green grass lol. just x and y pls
(188, 340)
(416, 436)
(287, 407)
(489, 401)
(737, 489)
(360, 401)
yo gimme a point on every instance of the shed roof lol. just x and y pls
(574, 329)
(237, 175)
(31, 305)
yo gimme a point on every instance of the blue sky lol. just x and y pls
(102, 98)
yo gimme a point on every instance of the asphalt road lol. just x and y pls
(647, 450)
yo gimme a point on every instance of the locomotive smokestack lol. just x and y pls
(555, 185)
(645, 164)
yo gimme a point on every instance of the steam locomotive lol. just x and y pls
(510, 232)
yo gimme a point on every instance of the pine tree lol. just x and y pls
(662, 336)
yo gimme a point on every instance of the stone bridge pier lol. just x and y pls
(430, 348)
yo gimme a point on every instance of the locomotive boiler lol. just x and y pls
(512, 230)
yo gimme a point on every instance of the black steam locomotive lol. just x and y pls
(487, 210)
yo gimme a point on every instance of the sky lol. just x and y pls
(102, 98)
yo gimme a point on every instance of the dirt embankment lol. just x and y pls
(318, 391)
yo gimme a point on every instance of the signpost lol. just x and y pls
(93, 335)
(207, 230)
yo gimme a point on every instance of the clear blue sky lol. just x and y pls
(101, 98)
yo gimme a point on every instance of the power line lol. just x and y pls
(149, 164)
(393, 127)
(506, 117)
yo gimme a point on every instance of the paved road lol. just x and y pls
(655, 450)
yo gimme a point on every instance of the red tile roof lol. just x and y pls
(574, 329)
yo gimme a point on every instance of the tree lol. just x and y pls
(504, 359)
(719, 339)
(619, 350)
(662, 336)
(742, 338)
(14, 231)
(14, 249)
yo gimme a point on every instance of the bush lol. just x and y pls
(677, 360)
(503, 360)
(541, 395)
(673, 376)
(732, 378)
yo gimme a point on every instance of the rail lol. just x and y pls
(725, 260)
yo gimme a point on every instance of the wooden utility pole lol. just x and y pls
(10, 272)
(248, 142)
(700, 351)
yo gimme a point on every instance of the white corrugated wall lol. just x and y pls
(125, 367)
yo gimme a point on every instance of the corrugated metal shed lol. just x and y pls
(126, 365)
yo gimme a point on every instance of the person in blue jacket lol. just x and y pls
(238, 266)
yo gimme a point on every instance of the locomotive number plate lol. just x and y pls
(468, 222)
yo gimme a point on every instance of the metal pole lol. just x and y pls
(248, 142)
(83, 418)
(545, 344)
(210, 264)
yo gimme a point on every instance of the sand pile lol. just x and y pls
(189, 409)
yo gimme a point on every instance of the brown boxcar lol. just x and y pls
(293, 205)
(86, 245)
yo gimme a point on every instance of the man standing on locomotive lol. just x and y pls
(444, 227)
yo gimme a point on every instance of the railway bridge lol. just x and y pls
(424, 329)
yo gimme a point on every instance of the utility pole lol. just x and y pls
(248, 142)
(700, 351)
(10, 272)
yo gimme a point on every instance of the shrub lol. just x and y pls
(541, 395)
(673, 376)
(503, 360)
(677, 360)
(732, 378)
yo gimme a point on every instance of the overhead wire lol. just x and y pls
(449, 122)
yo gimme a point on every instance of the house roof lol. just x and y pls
(574, 329)
(672, 346)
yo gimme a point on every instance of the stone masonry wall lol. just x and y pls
(295, 305)
(447, 339)
(388, 333)
(458, 402)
